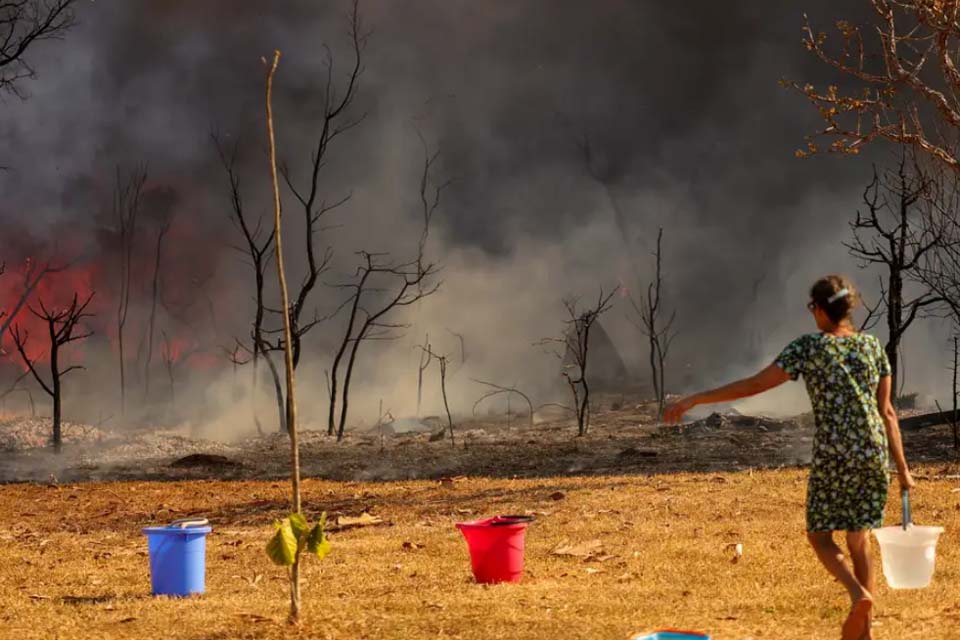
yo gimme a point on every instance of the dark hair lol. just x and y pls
(826, 289)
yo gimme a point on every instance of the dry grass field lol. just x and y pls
(73, 561)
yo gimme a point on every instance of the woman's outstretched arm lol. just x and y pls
(892, 425)
(772, 376)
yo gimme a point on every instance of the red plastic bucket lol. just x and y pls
(496, 547)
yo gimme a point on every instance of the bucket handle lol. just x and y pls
(190, 522)
(509, 520)
(905, 503)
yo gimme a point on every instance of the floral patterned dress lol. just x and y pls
(847, 489)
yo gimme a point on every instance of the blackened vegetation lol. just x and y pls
(127, 198)
(901, 227)
(62, 329)
(380, 288)
(23, 23)
(659, 332)
(575, 346)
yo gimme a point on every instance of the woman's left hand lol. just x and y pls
(674, 413)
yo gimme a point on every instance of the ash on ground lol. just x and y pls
(622, 440)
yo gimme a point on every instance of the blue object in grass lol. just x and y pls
(674, 635)
(178, 557)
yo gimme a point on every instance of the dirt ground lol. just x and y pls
(621, 440)
(663, 509)
(73, 561)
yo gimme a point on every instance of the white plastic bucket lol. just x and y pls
(908, 555)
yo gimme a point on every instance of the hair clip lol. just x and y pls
(843, 293)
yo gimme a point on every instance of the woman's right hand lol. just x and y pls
(674, 412)
(906, 480)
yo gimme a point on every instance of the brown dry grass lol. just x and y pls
(72, 562)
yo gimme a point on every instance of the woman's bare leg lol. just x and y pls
(857, 625)
(858, 544)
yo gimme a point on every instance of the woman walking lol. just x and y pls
(847, 375)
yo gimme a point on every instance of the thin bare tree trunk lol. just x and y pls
(287, 337)
(443, 392)
(55, 378)
(956, 425)
(155, 294)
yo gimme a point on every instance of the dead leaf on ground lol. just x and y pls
(127, 620)
(585, 550)
(363, 520)
(558, 495)
(253, 617)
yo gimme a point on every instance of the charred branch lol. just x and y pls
(62, 329)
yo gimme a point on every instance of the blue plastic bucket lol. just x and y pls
(674, 635)
(177, 559)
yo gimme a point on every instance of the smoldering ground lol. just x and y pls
(571, 131)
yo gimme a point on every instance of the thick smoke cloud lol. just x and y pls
(687, 127)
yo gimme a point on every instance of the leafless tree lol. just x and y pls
(61, 326)
(23, 23)
(402, 290)
(257, 249)
(901, 80)
(896, 235)
(442, 361)
(422, 366)
(127, 199)
(163, 228)
(336, 120)
(393, 286)
(496, 389)
(659, 334)
(575, 346)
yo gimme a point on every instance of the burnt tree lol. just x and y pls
(163, 228)
(442, 362)
(24, 23)
(658, 331)
(257, 248)
(422, 366)
(575, 345)
(388, 286)
(335, 121)
(62, 327)
(127, 197)
(894, 234)
(399, 286)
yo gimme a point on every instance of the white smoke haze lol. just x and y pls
(688, 131)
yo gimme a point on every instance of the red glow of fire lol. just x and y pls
(55, 291)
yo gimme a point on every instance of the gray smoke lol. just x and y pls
(687, 126)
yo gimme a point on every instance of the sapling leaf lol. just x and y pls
(282, 547)
(300, 527)
(317, 542)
